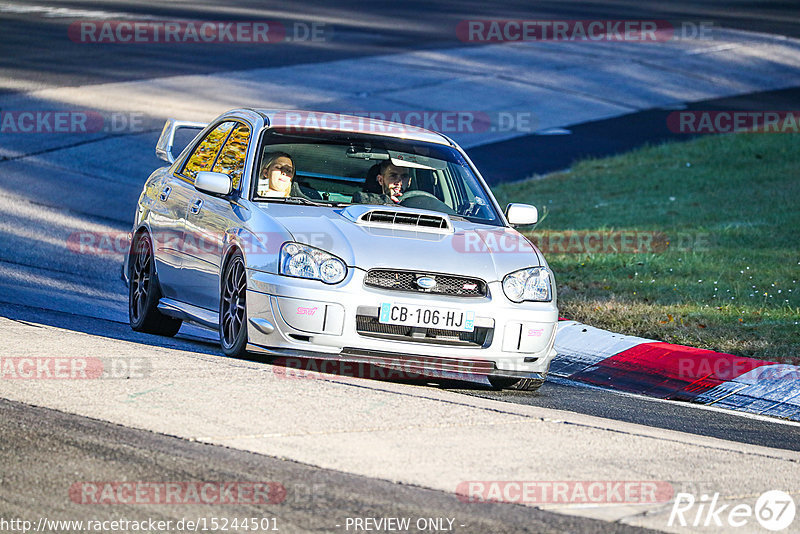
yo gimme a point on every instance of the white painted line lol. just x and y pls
(696, 406)
(66, 12)
(554, 131)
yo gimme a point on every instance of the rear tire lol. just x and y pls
(233, 308)
(519, 384)
(144, 293)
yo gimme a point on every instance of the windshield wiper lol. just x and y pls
(299, 200)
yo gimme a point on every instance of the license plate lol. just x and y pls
(427, 316)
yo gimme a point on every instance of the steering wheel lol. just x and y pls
(414, 193)
(425, 201)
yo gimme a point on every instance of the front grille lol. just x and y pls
(459, 286)
(370, 326)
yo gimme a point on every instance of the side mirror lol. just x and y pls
(215, 183)
(521, 214)
(167, 138)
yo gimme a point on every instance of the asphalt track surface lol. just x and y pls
(62, 448)
(556, 394)
(355, 29)
(48, 448)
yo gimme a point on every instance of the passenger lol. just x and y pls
(275, 178)
(392, 181)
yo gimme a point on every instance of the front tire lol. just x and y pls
(144, 293)
(233, 308)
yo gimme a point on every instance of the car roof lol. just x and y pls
(323, 121)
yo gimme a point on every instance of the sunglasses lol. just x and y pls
(285, 169)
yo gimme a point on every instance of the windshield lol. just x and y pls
(357, 169)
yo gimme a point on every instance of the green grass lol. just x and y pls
(729, 207)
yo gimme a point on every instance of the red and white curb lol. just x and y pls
(666, 371)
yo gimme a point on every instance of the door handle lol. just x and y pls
(164, 195)
(196, 205)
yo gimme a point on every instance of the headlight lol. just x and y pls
(303, 261)
(528, 284)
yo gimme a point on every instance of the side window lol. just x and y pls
(231, 159)
(203, 157)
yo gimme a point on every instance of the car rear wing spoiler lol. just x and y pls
(164, 145)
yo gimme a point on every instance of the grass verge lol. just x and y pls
(707, 238)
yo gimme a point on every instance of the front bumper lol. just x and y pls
(306, 318)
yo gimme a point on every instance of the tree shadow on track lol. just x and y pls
(203, 341)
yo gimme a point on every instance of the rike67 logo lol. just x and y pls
(774, 510)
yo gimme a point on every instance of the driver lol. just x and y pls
(393, 181)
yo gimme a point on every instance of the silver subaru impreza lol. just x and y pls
(320, 235)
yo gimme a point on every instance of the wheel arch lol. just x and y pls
(232, 246)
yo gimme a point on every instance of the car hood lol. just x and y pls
(472, 249)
